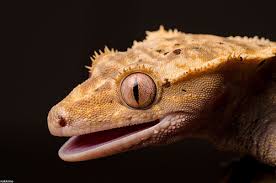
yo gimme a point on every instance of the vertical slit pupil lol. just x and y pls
(136, 90)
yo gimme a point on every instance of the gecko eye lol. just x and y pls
(138, 90)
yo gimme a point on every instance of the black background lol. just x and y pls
(46, 45)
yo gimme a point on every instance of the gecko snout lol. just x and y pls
(57, 120)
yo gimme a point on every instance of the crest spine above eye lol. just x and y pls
(142, 68)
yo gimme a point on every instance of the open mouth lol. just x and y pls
(107, 142)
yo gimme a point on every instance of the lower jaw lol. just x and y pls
(133, 137)
(105, 143)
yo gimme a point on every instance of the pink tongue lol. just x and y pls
(92, 140)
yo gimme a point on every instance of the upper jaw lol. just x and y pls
(71, 130)
(61, 124)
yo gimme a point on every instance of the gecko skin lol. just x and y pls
(172, 86)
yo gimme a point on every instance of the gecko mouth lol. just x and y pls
(104, 143)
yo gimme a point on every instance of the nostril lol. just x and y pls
(57, 118)
(62, 122)
(58, 121)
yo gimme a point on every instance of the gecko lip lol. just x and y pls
(107, 142)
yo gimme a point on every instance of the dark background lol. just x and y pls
(46, 45)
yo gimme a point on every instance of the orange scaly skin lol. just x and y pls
(211, 87)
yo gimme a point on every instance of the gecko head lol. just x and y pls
(133, 99)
